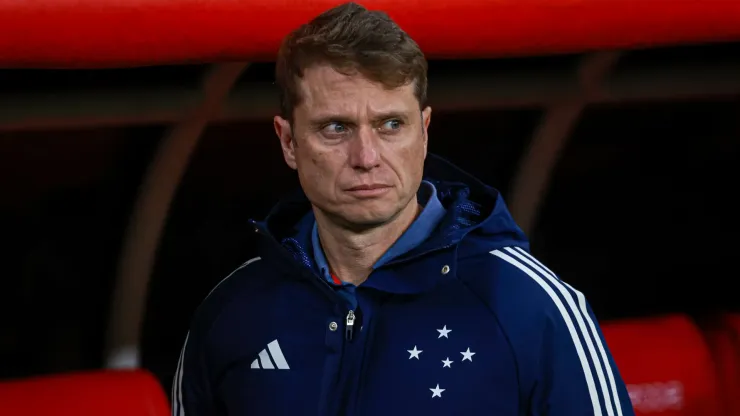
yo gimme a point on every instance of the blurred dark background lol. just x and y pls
(640, 213)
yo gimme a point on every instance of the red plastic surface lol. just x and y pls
(666, 365)
(118, 33)
(109, 393)
(723, 335)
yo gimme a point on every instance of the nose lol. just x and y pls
(363, 152)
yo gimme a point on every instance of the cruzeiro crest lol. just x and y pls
(446, 362)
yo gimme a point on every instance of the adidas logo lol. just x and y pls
(266, 363)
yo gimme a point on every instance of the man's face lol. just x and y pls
(358, 147)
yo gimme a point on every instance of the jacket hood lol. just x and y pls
(476, 216)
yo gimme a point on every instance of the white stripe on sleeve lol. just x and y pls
(590, 383)
(592, 327)
(177, 402)
(177, 407)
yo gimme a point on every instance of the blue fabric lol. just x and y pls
(468, 322)
(421, 228)
(346, 290)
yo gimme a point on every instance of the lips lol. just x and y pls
(368, 190)
(370, 187)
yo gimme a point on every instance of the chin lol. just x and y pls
(367, 219)
(364, 214)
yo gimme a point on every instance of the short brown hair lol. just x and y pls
(352, 40)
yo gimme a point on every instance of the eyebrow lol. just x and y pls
(404, 116)
(328, 118)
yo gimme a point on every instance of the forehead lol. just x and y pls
(322, 88)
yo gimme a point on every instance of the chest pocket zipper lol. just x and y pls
(349, 329)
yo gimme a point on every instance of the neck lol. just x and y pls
(351, 254)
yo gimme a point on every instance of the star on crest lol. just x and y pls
(414, 353)
(443, 332)
(467, 355)
(437, 392)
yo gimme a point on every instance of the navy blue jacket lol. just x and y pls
(468, 323)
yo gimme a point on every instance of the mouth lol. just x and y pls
(368, 191)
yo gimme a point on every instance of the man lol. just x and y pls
(377, 292)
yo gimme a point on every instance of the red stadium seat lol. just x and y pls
(103, 393)
(723, 334)
(666, 365)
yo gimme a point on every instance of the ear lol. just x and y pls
(285, 135)
(426, 118)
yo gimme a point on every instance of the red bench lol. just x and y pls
(103, 393)
(667, 366)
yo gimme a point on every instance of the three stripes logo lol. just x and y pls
(266, 359)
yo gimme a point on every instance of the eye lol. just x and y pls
(334, 128)
(392, 125)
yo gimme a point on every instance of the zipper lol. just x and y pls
(332, 406)
(349, 328)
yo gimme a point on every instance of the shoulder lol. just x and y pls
(528, 299)
(512, 277)
(240, 282)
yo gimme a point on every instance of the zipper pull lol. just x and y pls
(349, 328)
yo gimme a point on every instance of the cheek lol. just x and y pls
(320, 170)
(316, 171)
(410, 159)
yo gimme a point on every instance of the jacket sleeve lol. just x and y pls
(191, 390)
(579, 376)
